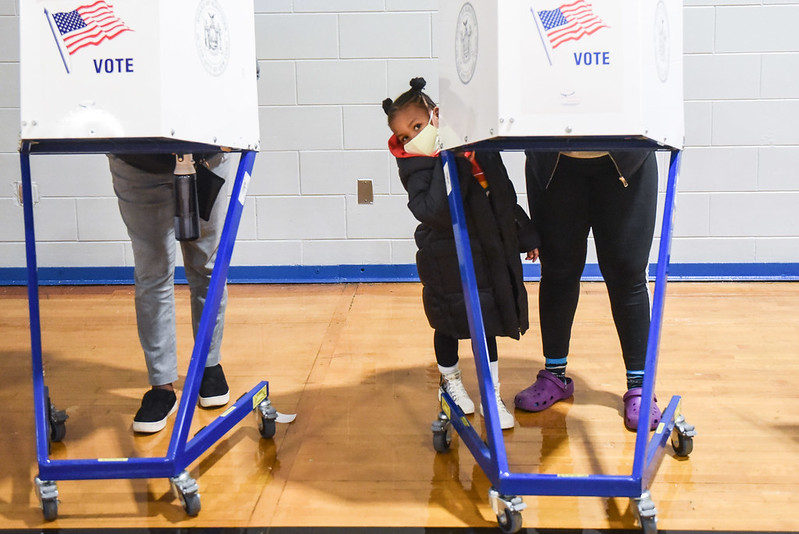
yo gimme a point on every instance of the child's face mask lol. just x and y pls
(426, 141)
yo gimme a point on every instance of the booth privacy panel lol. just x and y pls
(522, 68)
(182, 70)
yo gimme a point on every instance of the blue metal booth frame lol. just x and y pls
(182, 451)
(490, 454)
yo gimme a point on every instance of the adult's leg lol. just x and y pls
(199, 257)
(623, 221)
(147, 208)
(561, 212)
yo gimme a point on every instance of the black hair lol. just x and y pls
(412, 97)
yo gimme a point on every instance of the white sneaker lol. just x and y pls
(506, 419)
(453, 385)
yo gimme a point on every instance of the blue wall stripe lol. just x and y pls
(327, 274)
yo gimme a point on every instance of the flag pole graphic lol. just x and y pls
(56, 36)
(536, 20)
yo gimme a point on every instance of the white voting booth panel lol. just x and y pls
(180, 69)
(568, 68)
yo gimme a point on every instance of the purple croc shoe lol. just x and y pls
(545, 391)
(632, 407)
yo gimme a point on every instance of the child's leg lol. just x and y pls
(506, 419)
(446, 349)
(493, 357)
(491, 343)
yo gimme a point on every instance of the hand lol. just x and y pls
(532, 255)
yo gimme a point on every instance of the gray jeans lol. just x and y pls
(147, 206)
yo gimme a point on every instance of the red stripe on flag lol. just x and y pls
(101, 24)
(582, 22)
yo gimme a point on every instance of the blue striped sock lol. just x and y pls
(635, 379)
(556, 366)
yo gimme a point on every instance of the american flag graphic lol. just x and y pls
(88, 25)
(570, 22)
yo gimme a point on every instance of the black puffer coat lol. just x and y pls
(499, 230)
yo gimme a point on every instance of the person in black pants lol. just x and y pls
(614, 195)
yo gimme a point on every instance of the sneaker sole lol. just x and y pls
(500, 424)
(466, 411)
(151, 427)
(214, 402)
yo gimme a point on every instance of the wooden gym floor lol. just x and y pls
(355, 363)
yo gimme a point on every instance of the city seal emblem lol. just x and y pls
(466, 43)
(212, 36)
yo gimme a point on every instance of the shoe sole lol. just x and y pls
(500, 424)
(465, 411)
(214, 402)
(151, 427)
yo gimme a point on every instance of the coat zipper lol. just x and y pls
(621, 177)
(555, 168)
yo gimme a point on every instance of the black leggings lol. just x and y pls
(587, 194)
(447, 349)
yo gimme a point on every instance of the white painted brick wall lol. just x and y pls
(341, 252)
(82, 254)
(8, 7)
(11, 226)
(55, 220)
(386, 35)
(325, 67)
(275, 173)
(777, 169)
(403, 251)
(302, 217)
(335, 172)
(9, 85)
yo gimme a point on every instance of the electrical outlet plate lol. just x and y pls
(365, 192)
(17, 194)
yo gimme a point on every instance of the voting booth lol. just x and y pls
(540, 68)
(182, 70)
(140, 76)
(569, 75)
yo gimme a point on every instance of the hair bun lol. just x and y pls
(387, 103)
(417, 84)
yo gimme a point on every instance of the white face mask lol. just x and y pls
(426, 141)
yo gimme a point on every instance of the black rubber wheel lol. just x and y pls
(50, 509)
(55, 421)
(510, 522)
(57, 432)
(683, 446)
(191, 503)
(442, 439)
(266, 427)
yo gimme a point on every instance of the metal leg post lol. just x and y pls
(499, 465)
(40, 403)
(191, 387)
(640, 470)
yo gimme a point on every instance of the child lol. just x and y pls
(499, 230)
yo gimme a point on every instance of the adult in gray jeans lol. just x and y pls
(143, 184)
